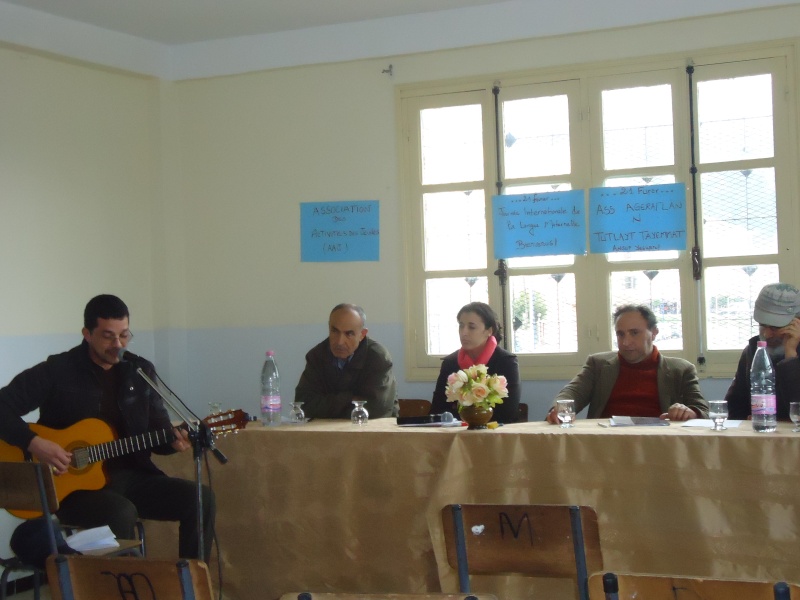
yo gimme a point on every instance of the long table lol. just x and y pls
(327, 506)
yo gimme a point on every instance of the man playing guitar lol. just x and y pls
(92, 381)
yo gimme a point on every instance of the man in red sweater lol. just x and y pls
(636, 381)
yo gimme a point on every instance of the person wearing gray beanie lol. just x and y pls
(777, 312)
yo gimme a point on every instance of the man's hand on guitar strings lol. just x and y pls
(181, 442)
(50, 453)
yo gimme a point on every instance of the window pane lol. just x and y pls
(452, 144)
(455, 230)
(536, 137)
(618, 257)
(730, 295)
(539, 261)
(637, 127)
(739, 213)
(443, 299)
(735, 118)
(544, 316)
(658, 289)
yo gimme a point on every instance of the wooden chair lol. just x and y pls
(27, 486)
(667, 587)
(409, 407)
(347, 596)
(76, 577)
(539, 540)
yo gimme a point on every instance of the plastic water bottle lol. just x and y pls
(270, 392)
(762, 392)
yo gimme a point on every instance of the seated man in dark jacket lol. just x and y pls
(776, 311)
(347, 366)
(93, 381)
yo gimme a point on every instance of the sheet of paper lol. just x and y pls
(618, 421)
(91, 539)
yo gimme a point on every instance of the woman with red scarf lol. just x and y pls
(480, 332)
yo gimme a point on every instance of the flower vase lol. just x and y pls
(476, 416)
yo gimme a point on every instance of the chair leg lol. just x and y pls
(580, 552)
(187, 589)
(37, 584)
(4, 583)
(611, 586)
(140, 535)
(63, 579)
(461, 550)
(781, 591)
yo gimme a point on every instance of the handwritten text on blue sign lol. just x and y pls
(339, 231)
(540, 224)
(637, 218)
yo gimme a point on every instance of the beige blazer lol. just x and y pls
(677, 382)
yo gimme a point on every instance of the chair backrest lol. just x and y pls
(539, 540)
(28, 486)
(20, 487)
(412, 407)
(76, 577)
(663, 587)
(350, 596)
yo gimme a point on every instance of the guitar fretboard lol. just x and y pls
(98, 452)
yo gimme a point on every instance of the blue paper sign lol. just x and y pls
(540, 224)
(637, 218)
(339, 231)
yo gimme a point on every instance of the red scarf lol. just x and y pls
(465, 361)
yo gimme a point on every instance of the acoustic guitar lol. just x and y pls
(92, 441)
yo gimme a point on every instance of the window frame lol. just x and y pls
(594, 326)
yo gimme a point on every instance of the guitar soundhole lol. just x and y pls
(81, 461)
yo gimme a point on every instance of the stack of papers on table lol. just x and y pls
(616, 421)
(92, 539)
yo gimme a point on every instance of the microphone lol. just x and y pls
(124, 355)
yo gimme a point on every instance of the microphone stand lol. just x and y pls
(202, 439)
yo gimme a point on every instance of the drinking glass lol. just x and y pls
(566, 412)
(359, 416)
(215, 407)
(718, 412)
(296, 415)
(794, 415)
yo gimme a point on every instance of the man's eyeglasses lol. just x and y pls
(124, 337)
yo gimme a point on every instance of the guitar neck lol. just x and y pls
(106, 447)
(123, 447)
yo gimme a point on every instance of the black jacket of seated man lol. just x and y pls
(69, 387)
(327, 391)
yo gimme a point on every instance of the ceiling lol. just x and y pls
(186, 39)
(174, 22)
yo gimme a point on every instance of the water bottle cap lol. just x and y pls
(762, 344)
(270, 353)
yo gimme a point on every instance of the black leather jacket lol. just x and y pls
(66, 389)
(787, 384)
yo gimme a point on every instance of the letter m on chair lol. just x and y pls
(539, 540)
